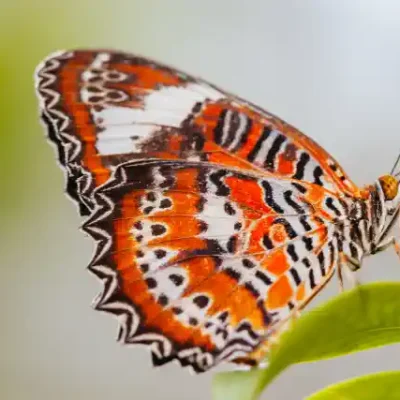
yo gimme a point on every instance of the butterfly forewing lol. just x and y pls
(104, 108)
(214, 219)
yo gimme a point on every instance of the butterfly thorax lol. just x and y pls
(389, 196)
(371, 218)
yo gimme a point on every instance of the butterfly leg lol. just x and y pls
(351, 267)
(340, 273)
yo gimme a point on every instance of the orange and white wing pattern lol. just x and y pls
(103, 108)
(213, 218)
(205, 261)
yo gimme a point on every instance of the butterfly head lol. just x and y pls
(389, 186)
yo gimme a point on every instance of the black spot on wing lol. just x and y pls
(218, 131)
(304, 223)
(217, 179)
(301, 165)
(273, 151)
(308, 242)
(250, 287)
(267, 242)
(288, 196)
(321, 260)
(306, 262)
(299, 187)
(317, 175)
(255, 150)
(269, 197)
(263, 277)
(331, 205)
(201, 301)
(291, 250)
(311, 278)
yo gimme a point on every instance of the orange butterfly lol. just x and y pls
(215, 221)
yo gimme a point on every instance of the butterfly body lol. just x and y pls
(215, 221)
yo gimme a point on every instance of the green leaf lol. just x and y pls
(365, 317)
(384, 385)
(235, 385)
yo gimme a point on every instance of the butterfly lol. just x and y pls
(215, 221)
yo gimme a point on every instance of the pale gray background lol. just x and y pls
(331, 68)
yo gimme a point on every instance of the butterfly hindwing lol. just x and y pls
(208, 260)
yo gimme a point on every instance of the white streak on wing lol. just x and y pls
(158, 178)
(240, 131)
(100, 59)
(265, 147)
(128, 116)
(227, 125)
(117, 139)
(119, 146)
(168, 106)
(86, 75)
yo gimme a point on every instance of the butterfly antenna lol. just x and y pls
(395, 166)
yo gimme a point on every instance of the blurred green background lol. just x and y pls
(330, 68)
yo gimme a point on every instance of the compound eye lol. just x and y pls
(390, 186)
